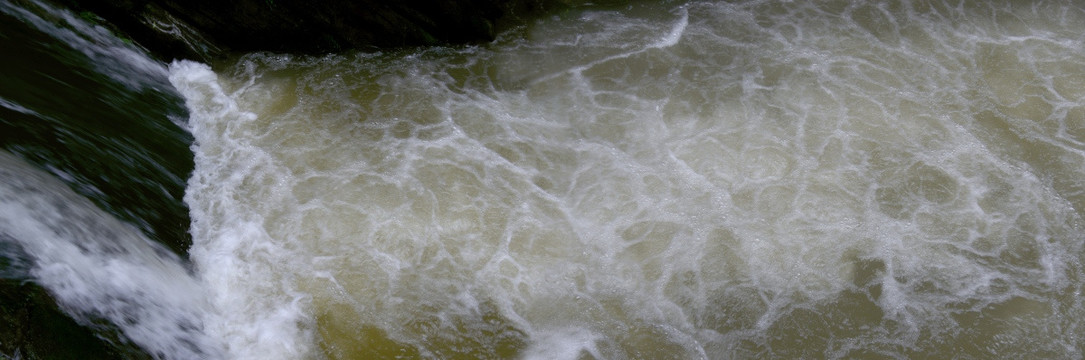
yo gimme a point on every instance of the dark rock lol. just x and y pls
(33, 327)
(207, 29)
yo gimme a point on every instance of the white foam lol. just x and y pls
(256, 311)
(679, 27)
(563, 344)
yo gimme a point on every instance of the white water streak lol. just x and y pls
(100, 268)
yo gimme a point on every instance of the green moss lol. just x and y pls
(89, 17)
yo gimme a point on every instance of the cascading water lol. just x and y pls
(91, 175)
(719, 180)
(99, 268)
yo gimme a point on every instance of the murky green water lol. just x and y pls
(700, 180)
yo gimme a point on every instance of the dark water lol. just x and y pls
(96, 114)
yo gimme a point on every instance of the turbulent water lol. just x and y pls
(703, 180)
(718, 180)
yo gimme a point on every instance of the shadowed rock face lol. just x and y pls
(205, 29)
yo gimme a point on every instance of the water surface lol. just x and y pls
(749, 179)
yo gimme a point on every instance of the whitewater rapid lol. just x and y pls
(702, 180)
